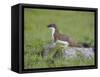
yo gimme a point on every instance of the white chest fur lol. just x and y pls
(53, 31)
(59, 41)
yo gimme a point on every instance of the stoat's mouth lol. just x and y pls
(51, 28)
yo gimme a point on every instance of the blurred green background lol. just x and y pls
(76, 24)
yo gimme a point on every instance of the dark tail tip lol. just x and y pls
(86, 45)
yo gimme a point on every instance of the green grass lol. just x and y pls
(78, 25)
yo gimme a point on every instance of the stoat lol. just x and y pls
(61, 38)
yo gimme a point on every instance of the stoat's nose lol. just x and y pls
(48, 26)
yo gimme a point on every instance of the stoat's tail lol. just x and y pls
(84, 44)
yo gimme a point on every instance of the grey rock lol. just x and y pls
(70, 52)
(86, 52)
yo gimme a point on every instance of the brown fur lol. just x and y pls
(58, 36)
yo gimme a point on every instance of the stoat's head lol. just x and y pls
(52, 26)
